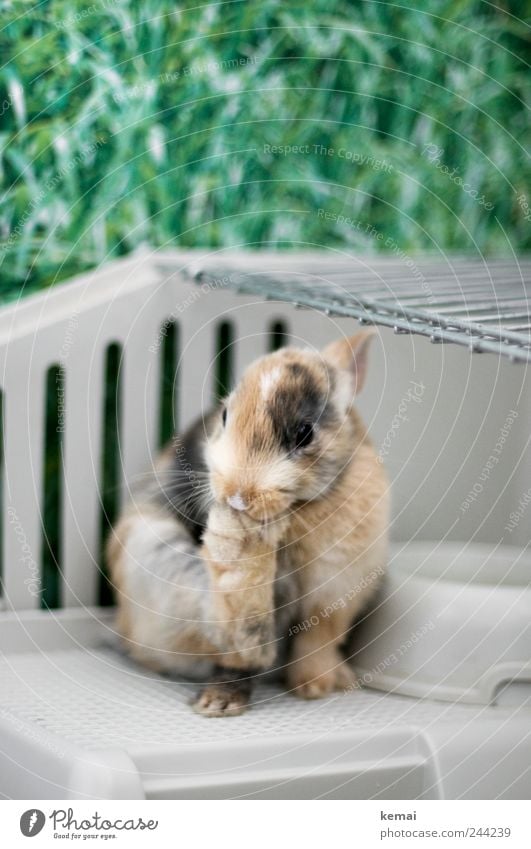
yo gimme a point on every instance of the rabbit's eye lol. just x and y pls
(304, 435)
(224, 416)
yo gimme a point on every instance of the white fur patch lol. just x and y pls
(237, 502)
(230, 579)
(276, 475)
(220, 456)
(268, 382)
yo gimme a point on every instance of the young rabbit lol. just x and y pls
(268, 518)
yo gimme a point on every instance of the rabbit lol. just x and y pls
(261, 534)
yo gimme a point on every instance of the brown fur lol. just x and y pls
(242, 556)
(350, 524)
(296, 533)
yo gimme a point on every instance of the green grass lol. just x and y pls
(117, 127)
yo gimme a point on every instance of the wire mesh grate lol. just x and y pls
(484, 305)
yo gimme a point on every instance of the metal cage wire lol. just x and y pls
(483, 305)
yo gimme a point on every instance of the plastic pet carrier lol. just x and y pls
(92, 372)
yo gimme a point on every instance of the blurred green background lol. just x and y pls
(127, 122)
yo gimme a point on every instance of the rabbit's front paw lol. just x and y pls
(242, 567)
(231, 536)
(315, 678)
(255, 643)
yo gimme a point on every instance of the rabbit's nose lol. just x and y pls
(236, 502)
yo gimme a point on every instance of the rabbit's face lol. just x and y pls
(284, 434)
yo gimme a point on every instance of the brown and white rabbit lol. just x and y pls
(267, 518)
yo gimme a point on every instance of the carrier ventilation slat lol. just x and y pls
(168, 397)
(484, 305)
(52, 476)
(224, 370)
(111, 459)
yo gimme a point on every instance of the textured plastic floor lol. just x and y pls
(99, 698)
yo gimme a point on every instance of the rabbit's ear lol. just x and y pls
(351, 354)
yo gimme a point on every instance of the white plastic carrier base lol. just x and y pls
(79, 720)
